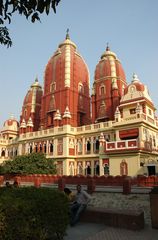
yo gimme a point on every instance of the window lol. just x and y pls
(30, 148)
(36, 149)
(106, 169)
(132, 111)
(79, 146)
(96, 168)
(51, 148)
(132, 89)
(102, 90)
(3, 154)
(71, 169)
(149, 111)
(79, 168)
(45, 148)
(80, 88)
(88, 146)
(97, 144)
(40, 147)
(52, 87)
(123, 168)
(88, 169)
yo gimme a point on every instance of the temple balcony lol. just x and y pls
(125, 145)
(129, 145)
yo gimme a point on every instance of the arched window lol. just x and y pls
(79, 168)
(80, 88)
(51, 148)
(16, 152)
(53, 87)
(102, 89)
(96, 168)
(71, 168)
(79, 146)
(106, 169)
(40, 147)
(45, 148)
(88, 146)
(36, 148)
(88, 169)
(123, 168)
(3, 154)
(97, 144)
(30, 148)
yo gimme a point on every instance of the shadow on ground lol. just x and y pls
(83, 230)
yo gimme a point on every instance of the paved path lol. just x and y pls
(83, 231)
(89, 231)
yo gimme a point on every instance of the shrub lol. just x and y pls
(32, 214)
(154, 190)
(34, 163)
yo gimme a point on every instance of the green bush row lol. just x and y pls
(32, 214)
(34, 163)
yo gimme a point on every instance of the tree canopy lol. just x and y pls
(34, 163)
(31, 9)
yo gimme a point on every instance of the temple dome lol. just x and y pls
(66, 84)
(136, 90)
(11, 124)
(29, 98)
(65, 63)
(109, 66)
(32, 106)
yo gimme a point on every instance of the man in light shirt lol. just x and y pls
(82, 198)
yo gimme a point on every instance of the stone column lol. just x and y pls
(117, 135)
(47, 147)
(83, 145)
(140, 138)
(55, 147)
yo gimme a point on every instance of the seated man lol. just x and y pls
(82, 198)
(69, 194)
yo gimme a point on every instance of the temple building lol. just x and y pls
(112, 132)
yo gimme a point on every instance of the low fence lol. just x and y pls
(140, 181)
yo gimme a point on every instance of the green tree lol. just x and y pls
(31, 9)
(34, 163)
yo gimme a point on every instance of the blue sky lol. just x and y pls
(130, 27)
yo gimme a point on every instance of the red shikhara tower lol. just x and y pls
(108, 87)
(30, 116)
(66, 97)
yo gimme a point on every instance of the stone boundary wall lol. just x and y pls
(140, 181)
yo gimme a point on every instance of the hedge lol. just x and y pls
(33, 214)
